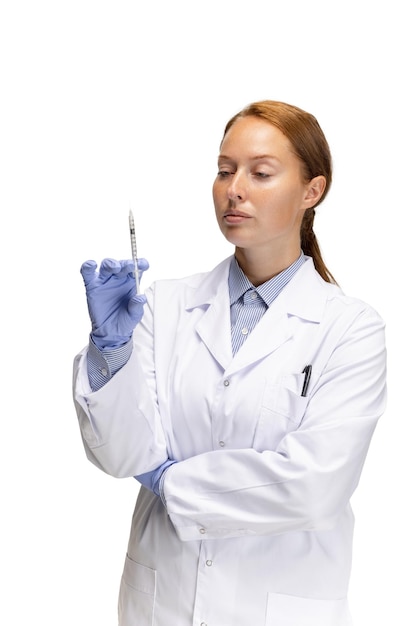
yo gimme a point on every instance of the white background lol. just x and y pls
(111, 105)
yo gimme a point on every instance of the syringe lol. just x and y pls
(133, 248)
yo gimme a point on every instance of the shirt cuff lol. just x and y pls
(103, 364)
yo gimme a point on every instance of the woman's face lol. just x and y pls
(259, 192)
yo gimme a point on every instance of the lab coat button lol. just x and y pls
(202, 531)
(222, 443)
(226, 383)
(203, 624)
(209, 563)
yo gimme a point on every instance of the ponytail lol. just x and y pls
(310, 246)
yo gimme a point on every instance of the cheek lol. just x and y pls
(285, 200)
(280, 211)
(217, 196)
(216, 204)
(215, 193)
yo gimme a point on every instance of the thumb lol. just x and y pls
(136, 307)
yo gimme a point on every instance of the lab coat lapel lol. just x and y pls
(304, 297)
(270, 333)
(214, 327)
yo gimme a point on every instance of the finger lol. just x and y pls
(88, 271)
(109, 267)
(127, 267)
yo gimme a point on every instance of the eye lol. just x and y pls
(224, 173)
(262, 175)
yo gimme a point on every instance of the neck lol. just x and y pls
(259, 266)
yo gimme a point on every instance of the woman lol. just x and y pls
(244, 402)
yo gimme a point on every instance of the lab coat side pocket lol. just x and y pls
(137, 594)
(282, 411)
(297, 611)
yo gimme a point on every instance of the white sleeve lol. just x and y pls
(120, 423)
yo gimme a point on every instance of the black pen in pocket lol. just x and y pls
(307, 370)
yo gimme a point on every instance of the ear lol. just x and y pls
(314, 190)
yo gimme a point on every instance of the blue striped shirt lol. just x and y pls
(248, 305)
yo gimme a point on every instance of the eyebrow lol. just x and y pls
(258, 157)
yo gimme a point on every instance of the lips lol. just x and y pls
(235, 217)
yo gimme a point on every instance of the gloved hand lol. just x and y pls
(114, 306)
(151, 480)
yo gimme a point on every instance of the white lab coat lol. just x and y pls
(257, 529)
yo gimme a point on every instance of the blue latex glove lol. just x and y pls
(114, 306)
(151, 480)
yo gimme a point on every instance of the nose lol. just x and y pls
(236, 188)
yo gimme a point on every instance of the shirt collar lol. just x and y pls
(268, 291)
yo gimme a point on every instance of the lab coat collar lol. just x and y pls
(304, 296)
(213, 282)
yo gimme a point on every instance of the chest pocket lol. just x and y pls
(282, 411)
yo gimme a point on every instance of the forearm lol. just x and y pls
(231, 493)
(119, 423)
(305, 482)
